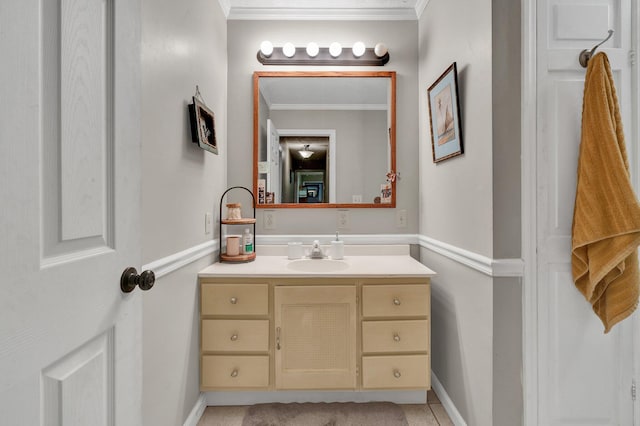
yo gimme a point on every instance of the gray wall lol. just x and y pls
(473, 202)
(401, 38)
(180, 182)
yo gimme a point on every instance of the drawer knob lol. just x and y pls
(396, 301)
(396, 337)
(234, 373)
(234, 337)
(396, 374)
(233, 300)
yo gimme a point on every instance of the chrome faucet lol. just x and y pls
(316, 251)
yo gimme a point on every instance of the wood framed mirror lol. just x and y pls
(324, 139)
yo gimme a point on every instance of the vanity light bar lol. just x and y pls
(377, 56)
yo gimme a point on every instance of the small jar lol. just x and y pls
(234, 211)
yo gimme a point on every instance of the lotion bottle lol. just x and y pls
(247, 241)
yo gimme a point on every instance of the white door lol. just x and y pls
(584, 376)
(273, 157)
(69, 224)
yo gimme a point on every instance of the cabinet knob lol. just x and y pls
(233, 300)
(396, 301)
(234, 337)
(234, 373)
(396, 374)
(396, 337)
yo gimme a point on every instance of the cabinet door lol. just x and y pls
(315, 337)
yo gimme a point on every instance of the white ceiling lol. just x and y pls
(324, 9)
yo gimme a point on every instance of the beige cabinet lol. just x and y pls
(234, 336)
(316, 333)
(315, 337)
(395, 336)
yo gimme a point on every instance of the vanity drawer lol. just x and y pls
(395, 336)
(235, 299)
(396, 372)
(401, 300)
(235, 335)
(222, 371)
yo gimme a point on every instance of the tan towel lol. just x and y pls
(606, 217)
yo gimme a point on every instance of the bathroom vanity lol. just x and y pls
(361, 323)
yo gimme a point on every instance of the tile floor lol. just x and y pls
(430, 414)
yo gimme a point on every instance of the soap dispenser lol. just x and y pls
(337, 248)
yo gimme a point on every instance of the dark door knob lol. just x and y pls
(130, 279)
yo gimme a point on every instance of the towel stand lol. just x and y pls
(585, 55)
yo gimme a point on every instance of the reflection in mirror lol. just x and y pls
(324, 139)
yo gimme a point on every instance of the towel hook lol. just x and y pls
(585, 55)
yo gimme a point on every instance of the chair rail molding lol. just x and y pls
(173, 262)
(484, 264)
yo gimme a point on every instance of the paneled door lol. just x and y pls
(69, 224)
(585, 377)
(315, 337)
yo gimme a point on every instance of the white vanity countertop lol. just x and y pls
(359, 261)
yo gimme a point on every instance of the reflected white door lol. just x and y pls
(273, 157)
(70, 192)
(584, 376)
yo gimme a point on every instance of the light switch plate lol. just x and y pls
(208, 219)
(269, 219)
(344, 219)
(401, 218)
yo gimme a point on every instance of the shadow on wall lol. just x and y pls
(445, 362)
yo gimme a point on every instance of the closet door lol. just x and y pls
(315, 337)
(584, 375)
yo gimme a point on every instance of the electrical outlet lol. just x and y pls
(401, 218)
(344, 219)
(269, 219)
(208, 219)
(356, 199)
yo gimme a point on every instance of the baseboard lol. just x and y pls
(249, 398)
(446, 401)
(196, 411)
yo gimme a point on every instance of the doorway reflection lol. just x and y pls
(305, 177)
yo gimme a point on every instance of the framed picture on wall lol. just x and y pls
(444, 116)
(203, 129)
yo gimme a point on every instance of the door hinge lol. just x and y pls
(633, 390)
(357, 300)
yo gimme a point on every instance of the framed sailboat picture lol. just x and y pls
(444, 116)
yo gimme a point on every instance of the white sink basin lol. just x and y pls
(317, 265)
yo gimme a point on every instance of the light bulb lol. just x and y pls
(289, 50)
(266, 47)
(380, 50)
(358, 49)
(335, 49)
(313, 49)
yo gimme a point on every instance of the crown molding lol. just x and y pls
(321, 14)
(225, 5)
(328, 107)
(421, 5)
